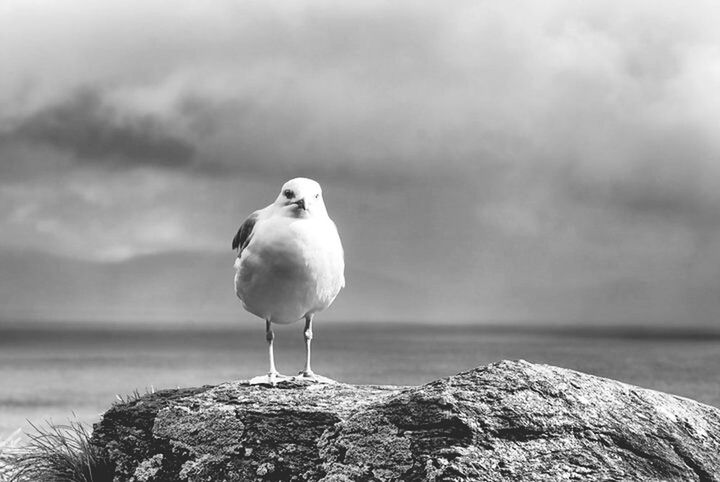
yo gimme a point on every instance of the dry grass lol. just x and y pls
(57, 452)
(134, 396)
(54, 453)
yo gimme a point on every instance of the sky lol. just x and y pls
(485, 162)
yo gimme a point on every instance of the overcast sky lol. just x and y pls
(534, 162)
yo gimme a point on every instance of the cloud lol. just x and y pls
(97, 133)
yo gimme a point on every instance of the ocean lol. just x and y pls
(66, 373)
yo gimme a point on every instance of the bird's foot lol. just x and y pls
(311, 376)
(272, 379)
(307, 375)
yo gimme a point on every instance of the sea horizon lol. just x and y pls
(635, 330)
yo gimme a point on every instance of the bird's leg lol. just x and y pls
(273, 376)
(270, 336)
(307, 371)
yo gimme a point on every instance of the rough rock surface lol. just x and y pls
(509, 420)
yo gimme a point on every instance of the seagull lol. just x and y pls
(290, 265)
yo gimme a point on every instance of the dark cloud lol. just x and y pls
(96, 132)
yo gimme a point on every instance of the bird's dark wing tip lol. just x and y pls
(242, 238)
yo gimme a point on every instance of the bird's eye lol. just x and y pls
(288, 193)
(317, 195)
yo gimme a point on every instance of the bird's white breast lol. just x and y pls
(292, 267)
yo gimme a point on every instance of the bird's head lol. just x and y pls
(302, 197)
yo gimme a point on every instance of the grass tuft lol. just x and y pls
(57, 453)
(134, 396)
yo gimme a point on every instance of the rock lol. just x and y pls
(510, 420)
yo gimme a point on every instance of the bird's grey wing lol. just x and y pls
(242, 238)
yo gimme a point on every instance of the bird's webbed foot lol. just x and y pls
(309, 375)
(272, 379)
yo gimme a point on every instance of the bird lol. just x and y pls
(290, 266)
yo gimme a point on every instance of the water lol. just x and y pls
(51, 374)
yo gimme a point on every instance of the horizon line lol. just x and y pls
(559, 328)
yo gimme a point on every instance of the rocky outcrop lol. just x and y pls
(509, 420)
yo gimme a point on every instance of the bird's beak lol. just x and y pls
(301, 204)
